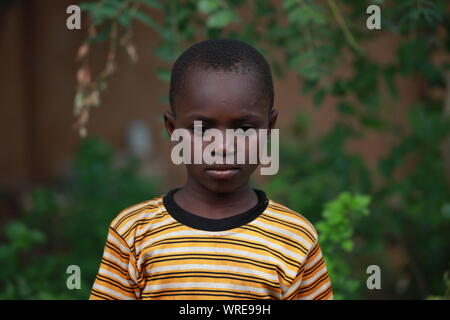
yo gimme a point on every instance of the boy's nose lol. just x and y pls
(225, 147)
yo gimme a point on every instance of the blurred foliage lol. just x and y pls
(409, 213)
(336, 231)
(406, 233)
(446, 294)
(68, 226)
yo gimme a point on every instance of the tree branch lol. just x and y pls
(341, 22)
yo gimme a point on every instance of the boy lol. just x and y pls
(215, 237)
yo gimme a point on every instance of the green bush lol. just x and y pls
(67, 225)
(406, 233)
(336, 231)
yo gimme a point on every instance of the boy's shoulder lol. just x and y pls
(130, 216)
(291, 218)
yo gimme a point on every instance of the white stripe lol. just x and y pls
(176, 234)
(142, 215)
(313, 278)
(132, 271)
(214, 267)
(111, 292)
(212, 250)
(112, 238)
(251, 238)
(298, 257)
(132, 208)
(283, 232)
(209, 285)
(302, 283)
(111, 257)
(110, 274)
(151, 226)
(318, 291)
(297, 221)
(283, 288)
(313, 261)
(292, 288)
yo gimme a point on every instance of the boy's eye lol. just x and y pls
(201, 130)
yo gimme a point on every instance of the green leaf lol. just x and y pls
(151, 3)
(125, 20)
(208, 6)
(372, 121)
(389, 74)
(306, 14)
(264, 8)
(221, 19)
(347, 245)
(163, 74)
(78, 103)
(345, 108)
(289, 4)
(164, 99)
(166, 52)
(308, 85)
(88, 6)
(21, 236)
(278, 70)
(318, 97)
(142, 17)
(102, 36)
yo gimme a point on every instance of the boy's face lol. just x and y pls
(221, 100)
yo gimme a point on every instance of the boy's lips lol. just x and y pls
(222, 171)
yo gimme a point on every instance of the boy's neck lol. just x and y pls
(198, 200)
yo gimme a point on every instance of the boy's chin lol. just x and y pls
(221, 181)
(223, 186)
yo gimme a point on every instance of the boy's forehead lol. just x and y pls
(206, 89)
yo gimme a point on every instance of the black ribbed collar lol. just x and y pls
(198, 222)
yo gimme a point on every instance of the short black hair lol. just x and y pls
(222, 55)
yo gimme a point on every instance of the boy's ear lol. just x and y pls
(273, 114)
(169, 121)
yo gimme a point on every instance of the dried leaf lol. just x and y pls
(93, 99)
(110, 67)
(84, 117)
(83, 51)
(84, 76)
(82, 132)
(131, 50)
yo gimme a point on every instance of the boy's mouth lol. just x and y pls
(222, 171)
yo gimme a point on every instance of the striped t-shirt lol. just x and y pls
(157, 250)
